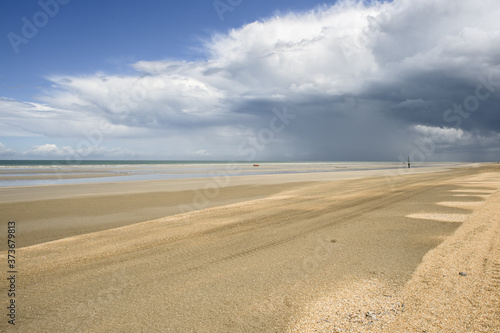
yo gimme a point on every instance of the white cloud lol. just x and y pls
(51, 150)
(4, 150)
(340, 68)
(441, 135)
(454, 143)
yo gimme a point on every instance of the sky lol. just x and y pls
(285, 80)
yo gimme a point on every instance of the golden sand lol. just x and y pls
(312, 254)
(456, 288)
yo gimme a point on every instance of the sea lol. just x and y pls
(54, 172)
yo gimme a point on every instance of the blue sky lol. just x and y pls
(87, 36)
(276, 80)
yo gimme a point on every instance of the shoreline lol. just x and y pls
(42, 175)
(50, 212)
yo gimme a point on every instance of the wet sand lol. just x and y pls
(49, 212)
(347, 252)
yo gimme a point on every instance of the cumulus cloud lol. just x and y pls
(440, 135)
(51, 150)
(454, 144)
(363, 80)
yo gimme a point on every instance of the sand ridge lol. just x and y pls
(455, 289)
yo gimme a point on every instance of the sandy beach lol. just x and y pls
(351, 251)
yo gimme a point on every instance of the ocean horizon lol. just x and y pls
(62, 163)
(54, 172)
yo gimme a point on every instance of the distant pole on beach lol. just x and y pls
(408, 162)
